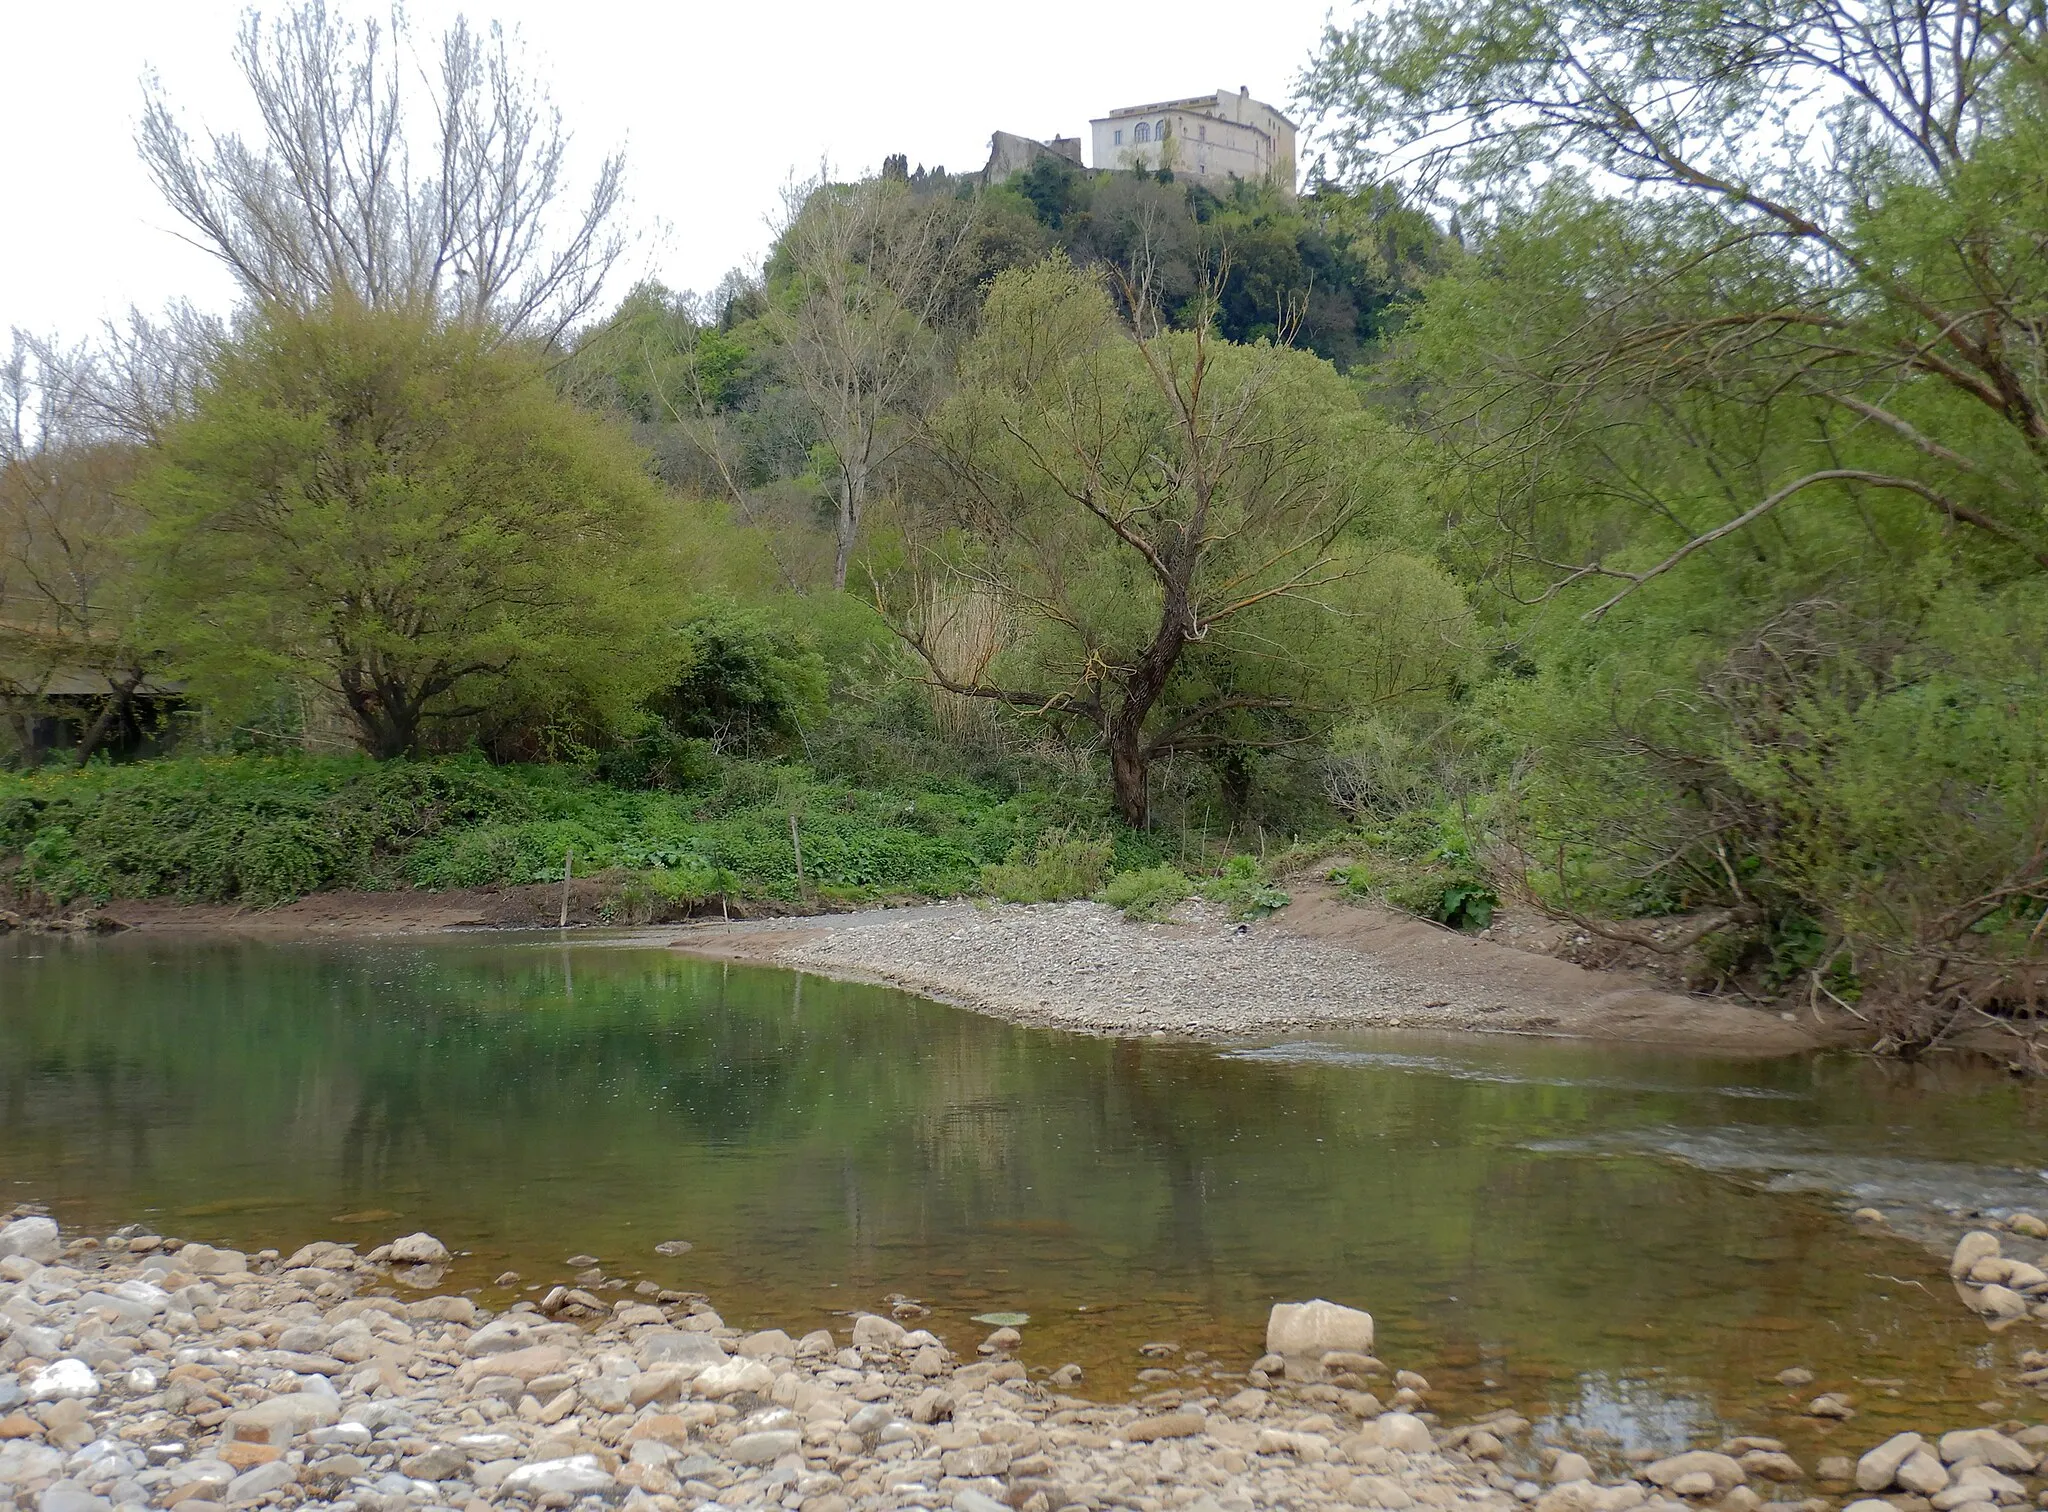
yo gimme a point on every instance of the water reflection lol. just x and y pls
(1552, 1227)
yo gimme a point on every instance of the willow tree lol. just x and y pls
(1175, 528)
(1833, 216)
(1751, 370)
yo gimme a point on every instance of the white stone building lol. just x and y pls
(1210, 138)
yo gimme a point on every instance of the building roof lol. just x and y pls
(1193, 102)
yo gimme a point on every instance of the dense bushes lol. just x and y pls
(265, 829)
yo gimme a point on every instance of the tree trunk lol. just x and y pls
(113, 710)
(848, 523)
(1128, 771)
(386, 726)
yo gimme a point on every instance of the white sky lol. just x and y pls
(716, 105)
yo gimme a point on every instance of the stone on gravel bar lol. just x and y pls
(733, 1377)
(254, 1485)
(1880, 1467)
(1165, 1426)
(1972, 1247)
(64, 1380)
(575, 1475)
(282, 1418)
(1310, 1330)
(1922, 1474)
(1727, 1472)
(419, 1249)
(1988, 1446)
(1403, 1431)
(32, 1239)
(764, 1448)
(70, 1496)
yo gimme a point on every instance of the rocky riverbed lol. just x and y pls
(136, 1371)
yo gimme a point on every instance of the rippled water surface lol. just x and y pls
(1624, 1241)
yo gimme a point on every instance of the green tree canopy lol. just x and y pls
(1173, 527)
(405, 515)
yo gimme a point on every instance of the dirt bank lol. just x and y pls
(592, 901)
(1320, 963)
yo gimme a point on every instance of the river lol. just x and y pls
(1629, 1244)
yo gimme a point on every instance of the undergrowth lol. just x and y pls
(266, 829)
(1422, 863)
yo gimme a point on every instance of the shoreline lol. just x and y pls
(1321, 963)
(138, 1371)
(1318, 964)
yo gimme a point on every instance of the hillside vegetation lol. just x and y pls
(1575, 497)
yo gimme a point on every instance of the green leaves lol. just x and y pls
(406, 517)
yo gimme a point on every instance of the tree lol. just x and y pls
(1753, 320)
(861, 275)
(449, 197)
(405, 515)
(1832, 209)
(72, 638)
(1174, 523)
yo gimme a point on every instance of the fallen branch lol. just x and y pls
(1694, 930)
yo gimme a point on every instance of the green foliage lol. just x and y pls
(1196, 542)
(1421, 862)
(747, 675)
(1331, 270)
(405, 516)
(267, 829)
(1058, 866)
(1244, 889)
(1148, 894)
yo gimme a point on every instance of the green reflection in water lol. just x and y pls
(1531, 1223)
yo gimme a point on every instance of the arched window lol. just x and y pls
(1162, 131)
(1143, 132)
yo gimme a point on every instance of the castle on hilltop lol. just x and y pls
(1211, 139)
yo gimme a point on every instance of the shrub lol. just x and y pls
(747, 677)
(1243, 889)
(1421, 863)
(1149, 894)
(1059, 867)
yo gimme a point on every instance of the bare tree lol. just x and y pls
(70, 616)
(441, 190)
(146, 372)
(871, 266)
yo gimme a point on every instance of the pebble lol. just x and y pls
(432, 1403)
(1082, 966)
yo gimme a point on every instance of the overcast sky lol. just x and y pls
(716, 104)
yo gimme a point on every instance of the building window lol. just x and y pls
(1203, 132)
(1143, 132)
(1119, 136)
(1162, 131)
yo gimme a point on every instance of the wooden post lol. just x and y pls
(568, 859)
(796, 844)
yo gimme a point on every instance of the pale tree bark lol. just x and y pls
(870, 265)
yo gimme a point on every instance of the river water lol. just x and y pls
(1629, 1244)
